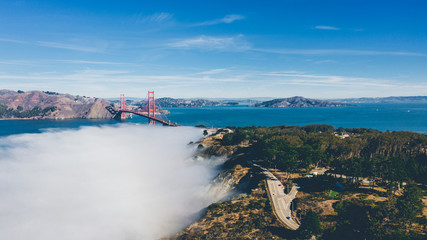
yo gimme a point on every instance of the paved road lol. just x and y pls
(281, 202)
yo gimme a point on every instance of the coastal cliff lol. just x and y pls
(326, 206)
(50, 105)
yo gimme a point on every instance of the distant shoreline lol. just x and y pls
(56, 119)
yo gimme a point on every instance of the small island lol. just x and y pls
(299, 102)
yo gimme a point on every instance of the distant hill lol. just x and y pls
(411, 99)
(179, 102)
(299, 102)
(242, 101)
(50, 105)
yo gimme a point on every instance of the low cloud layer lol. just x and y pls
(112, 182)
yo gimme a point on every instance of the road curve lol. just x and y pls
(281, 202)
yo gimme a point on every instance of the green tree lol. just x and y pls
(310, 225)
(410, 204)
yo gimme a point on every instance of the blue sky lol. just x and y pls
(317, 49)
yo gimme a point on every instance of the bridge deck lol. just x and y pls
(164, 122)
(117, 113)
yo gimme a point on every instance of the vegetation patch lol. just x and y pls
(333, 193)
(370, 191)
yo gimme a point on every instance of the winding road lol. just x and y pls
(281, 202)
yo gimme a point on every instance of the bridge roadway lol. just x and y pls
(164, 122)
(281, 202)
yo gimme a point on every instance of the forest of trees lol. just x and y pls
(394, 156)
(391, 219)
(19, 112)
(389, 158)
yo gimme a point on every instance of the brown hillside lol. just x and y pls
(67, 106)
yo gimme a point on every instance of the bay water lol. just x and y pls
(392, 117)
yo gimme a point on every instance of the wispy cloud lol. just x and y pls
(238, 43)
(59, 45)
(68, 46)
(233, 43)
(90, 62)
(322, 27)
(243, 82)
(98, 76)
(155, 18)
(227, 19)
(212, 72)
(19, 62)
(338, 52)
(11, 40)
(329, 80)
(45, 62)
(324, 61)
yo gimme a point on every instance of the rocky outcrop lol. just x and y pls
(50, 105)
(246, 216)
(299, 102)
(226, 182)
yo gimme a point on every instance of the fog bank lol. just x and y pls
(111, 182)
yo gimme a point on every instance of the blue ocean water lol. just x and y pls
(393, 117)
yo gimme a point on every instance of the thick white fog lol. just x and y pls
(112, 182)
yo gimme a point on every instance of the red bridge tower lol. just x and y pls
(151, 107)
(122, 106)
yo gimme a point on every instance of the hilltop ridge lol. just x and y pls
(299, 102)
(50, 105)
(391, 99)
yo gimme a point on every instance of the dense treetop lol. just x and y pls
(396, 156)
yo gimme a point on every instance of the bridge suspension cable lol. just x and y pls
(122, 106)
(151, 107)
(149, 113)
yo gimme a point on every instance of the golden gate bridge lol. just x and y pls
(150, 113)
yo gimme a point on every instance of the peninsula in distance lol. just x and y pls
(52, 105)
(299, 102)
